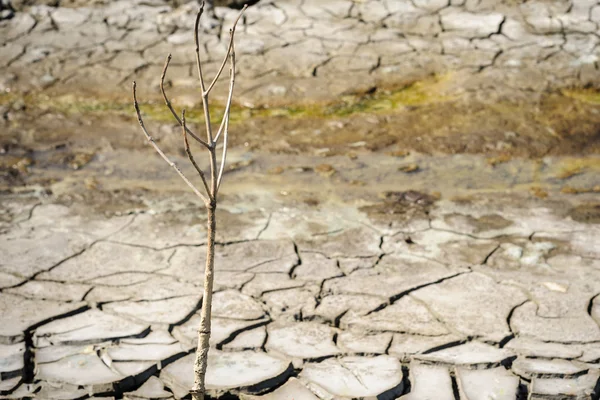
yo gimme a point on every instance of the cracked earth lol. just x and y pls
(410, 211)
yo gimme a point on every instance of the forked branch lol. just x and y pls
(159, 151)
(170, 107)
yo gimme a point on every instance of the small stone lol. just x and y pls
(301, 340)
(353, 377)
(6, 14)
(495, 383)
(46, 81)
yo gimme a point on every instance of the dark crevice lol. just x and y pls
(506, 339)
(235, 333)
(485, 260)
(406, 380)
(455, 391)
(596, 393)
(28, 356)
(298, 263)
(265, 227)
(591, 306)
(337, 320)
(446, 346)
(523, 390)
(187, 317)
(508, 319)
(398, 296)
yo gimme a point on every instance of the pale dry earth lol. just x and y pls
(335, 292)
(348, 265)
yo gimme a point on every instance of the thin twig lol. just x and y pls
(229, 49)
(224, 156)
(209, 136)
(170, 107)
(226, 119)
(191, 157)
(206, 91)
(160, 152)
(230, 96)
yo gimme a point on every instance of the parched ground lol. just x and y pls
(411, 207)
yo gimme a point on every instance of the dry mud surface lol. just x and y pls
(411, 207)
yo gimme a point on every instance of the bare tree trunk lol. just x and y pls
(199, 389)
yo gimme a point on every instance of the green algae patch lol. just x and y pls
(587, 95)
(419, 93)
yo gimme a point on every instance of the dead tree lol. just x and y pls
(211, 185)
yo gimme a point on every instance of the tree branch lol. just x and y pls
(229, 49)
(170, 107)
(230, 96)
(160, 152)
(191, 157)
(209, 136)
(225, 122)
